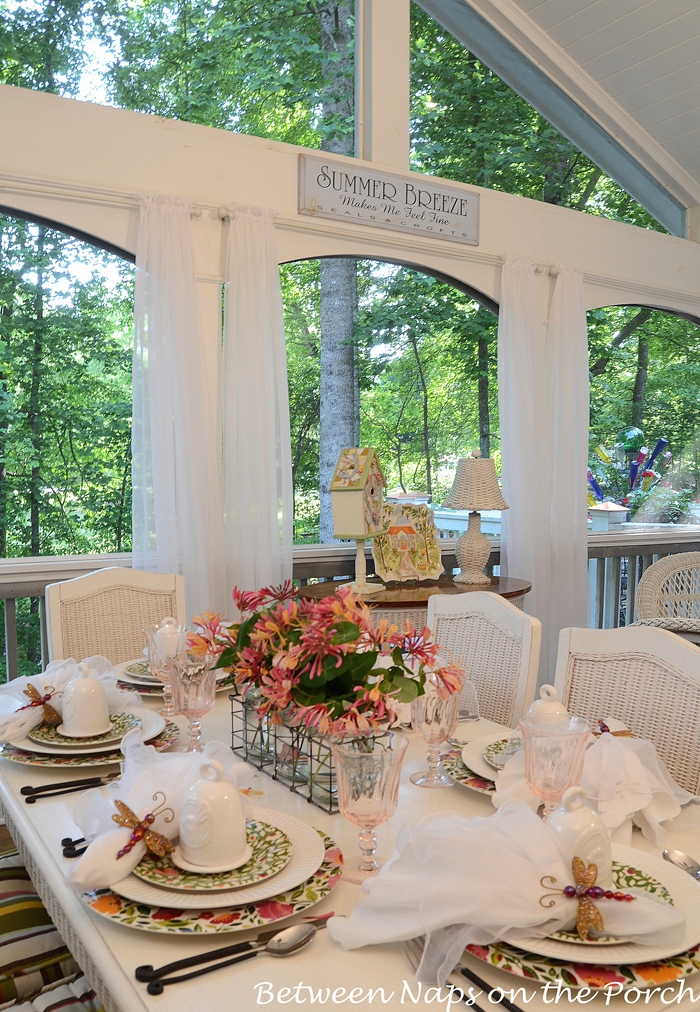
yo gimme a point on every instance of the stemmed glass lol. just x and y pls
(434, 717)
(193, 682)
(367, 768)
(165, 643)
(554, 747)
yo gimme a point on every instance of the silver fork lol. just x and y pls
(413, 947)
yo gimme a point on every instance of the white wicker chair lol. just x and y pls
(104, 612)
(646, 677)
(498, 644)
(668, 595)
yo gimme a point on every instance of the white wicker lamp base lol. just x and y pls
(472, 551)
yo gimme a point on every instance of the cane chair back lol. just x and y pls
(498, 645)
(649, 678)
(104, 612)
(670, 589)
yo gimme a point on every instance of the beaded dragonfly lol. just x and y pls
(155, 842)
(585, 891)
(51, 716)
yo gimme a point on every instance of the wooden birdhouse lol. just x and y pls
(357, 494)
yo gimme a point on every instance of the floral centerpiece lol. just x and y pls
(322, 664)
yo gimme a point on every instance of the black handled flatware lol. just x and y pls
(488, 989)
(33, 798)
(157, 986)
(61, 785)
(147, 973)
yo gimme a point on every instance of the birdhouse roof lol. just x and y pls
(353, 469)
(608, 507)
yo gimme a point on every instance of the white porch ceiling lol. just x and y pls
(620, 78)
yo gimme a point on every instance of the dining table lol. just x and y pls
(321, 975)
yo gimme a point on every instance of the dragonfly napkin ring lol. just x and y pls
(585, 891)
(51, 716)
(155, 842)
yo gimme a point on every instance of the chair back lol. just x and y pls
(104, 612)
(670, 588)
(498, 645)
(649, 678)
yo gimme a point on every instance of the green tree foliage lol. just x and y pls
(466, 124)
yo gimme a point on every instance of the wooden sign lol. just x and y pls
(412, 204)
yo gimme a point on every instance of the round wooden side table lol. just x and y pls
(409, 601)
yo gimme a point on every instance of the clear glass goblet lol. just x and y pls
(367, 769)
(165, 643)
(554, 747)
(193, 682)
(434, 717)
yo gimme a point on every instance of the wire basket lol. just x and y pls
(293, 756)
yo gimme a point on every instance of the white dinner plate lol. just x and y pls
(686, 898)
(307, 855)
(473, 754)
(151, 724)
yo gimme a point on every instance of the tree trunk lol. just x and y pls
(640, 381)
(483, 395)
(640, 318)
(426, 428)
(339, 415)
(340, 409)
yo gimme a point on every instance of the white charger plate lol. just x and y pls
(686, 898)
(151, 725)
(307, 856)
(473, 754)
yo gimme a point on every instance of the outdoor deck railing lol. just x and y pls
(616, 562)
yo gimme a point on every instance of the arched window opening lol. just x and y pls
(645, 413)
(387, 356)
(66, 340)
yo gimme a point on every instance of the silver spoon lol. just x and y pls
(284, 943)
(683, 861)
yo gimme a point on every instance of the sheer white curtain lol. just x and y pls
(543, 409)
(257, 452)
(567, 367)
(177, 526)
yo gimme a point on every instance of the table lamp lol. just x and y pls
(475, 488)
(357, 499)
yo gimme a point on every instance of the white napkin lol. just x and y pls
(626, 782)
(473, 881)
(149, 780)
(17, 716)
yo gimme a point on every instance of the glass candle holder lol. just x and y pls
(554, 747)
(193, 682)
(367, 769)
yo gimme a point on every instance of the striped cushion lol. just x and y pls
(72, 996)
(32, 953)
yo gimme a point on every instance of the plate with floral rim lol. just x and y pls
(205, 921)
(473, 753)
(461, 774)
(494, 753)
(307, 856)
(151, 725)
(120, 723)
(634, 869)
(167, 737)
(577, 975)
(271, 851)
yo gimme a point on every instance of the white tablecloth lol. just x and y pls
(110, 952)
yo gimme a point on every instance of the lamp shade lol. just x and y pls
(475, 486)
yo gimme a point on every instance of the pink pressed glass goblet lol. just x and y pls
(434, 717)
(165, 643)
(193, 682)
(367, 770)
(554, 746)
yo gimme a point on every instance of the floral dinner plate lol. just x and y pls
(120, 723)
(234, 918)
(461, 774)
(271, 851)
(307, 856)
(167, 737)
(151, 725)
